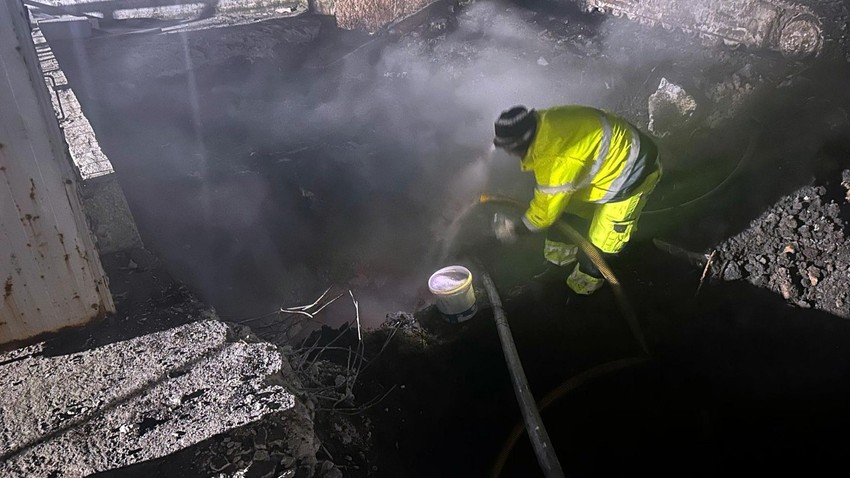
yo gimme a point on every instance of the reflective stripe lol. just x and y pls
(564, 188)
(531, 227)
(583, 283)
(634, 151)
(559, 253)
(595, 166)
(604, 146)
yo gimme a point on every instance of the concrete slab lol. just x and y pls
(133, 401)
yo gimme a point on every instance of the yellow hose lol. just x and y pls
(596, 257)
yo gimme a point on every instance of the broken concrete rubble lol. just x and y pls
(730, 94)
(322, 7)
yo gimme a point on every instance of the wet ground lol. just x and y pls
(262, 178)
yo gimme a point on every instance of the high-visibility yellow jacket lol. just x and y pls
(581, 154)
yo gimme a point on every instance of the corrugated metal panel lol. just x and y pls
(49, 269)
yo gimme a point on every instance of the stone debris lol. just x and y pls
(373, 15)
(404, 320)
(729, 95)
(798, 248)
(669, 107)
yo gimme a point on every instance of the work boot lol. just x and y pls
(583, 283)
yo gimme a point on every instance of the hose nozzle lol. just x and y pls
(498, 199)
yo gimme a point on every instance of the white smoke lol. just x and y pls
(359, 167)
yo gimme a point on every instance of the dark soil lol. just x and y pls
(741, 382)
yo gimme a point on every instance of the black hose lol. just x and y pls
(543, 448)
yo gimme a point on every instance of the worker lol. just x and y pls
(588, 164)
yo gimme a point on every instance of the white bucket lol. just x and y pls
(452, 287)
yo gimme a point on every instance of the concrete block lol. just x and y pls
(137, 400)
(109, 216)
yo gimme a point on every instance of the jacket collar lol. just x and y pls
(527, 161)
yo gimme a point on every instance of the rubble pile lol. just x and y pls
(798, 248)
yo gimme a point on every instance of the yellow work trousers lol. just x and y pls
(611, 227)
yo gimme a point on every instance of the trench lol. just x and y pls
(261, 182)
(738, 384)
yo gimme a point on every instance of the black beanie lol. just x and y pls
(515, 128)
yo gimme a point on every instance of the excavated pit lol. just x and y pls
(275, 164)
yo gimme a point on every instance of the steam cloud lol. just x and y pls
(310, 178)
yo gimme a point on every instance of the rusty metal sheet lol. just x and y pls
(49, 267)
